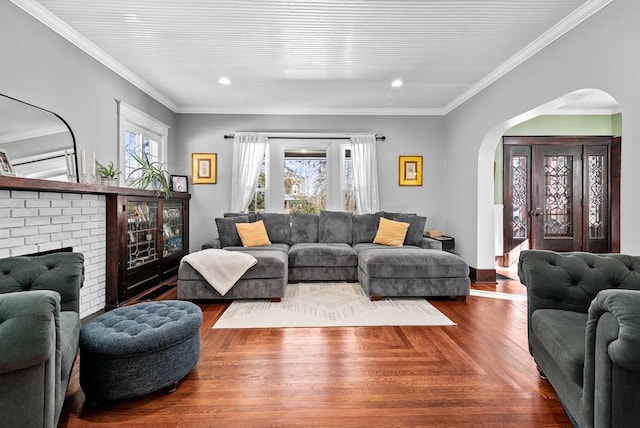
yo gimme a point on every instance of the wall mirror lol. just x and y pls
(35, 143)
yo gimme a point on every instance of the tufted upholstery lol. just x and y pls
(39, 330)
(570, 281)
(584, 332)
(134, 350)
(61, 272)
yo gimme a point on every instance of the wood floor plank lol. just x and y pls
(476, 374)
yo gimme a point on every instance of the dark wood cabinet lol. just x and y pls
(146, 238)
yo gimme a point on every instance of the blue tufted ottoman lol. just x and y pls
(134, 350)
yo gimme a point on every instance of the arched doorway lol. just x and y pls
(559, 184)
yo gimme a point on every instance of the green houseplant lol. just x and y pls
(150, 175)
(108, 173)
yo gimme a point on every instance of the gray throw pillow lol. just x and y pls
(227, 231)
(365, 227)
(304, 227)
(252, 216)
(335, 227)
(278, 227)
(416, 226)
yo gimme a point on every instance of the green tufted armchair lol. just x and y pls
(584, 332)
(39, 331)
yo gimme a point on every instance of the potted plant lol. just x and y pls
(108, 173)
(150, 175)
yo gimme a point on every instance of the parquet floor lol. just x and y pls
(476, 374)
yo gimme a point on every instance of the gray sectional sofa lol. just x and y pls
(334, 246)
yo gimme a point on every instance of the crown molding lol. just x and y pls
(313, 111)
(579, 15)
(56, 24)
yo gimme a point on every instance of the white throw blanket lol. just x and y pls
(221, 268)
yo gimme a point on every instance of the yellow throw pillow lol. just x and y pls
(390, 232)
(253, 234)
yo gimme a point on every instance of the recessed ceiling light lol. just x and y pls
(224, 81)
(397, 83)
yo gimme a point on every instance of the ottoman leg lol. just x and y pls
(172, 388)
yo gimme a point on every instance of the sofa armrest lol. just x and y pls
(28, 322)
(430, 243)
(624, 305)
(215, 243)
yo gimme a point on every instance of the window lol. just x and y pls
(139, 133)
(305, 177)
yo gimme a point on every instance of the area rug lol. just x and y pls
(330, 304)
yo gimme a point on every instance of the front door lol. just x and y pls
(556, 198)
(557, 194)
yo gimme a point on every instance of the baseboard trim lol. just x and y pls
(482, 276)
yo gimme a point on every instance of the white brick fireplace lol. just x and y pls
(36, 221)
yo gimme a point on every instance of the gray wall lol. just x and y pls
(405, 135)
(600, 53)
(42, 68)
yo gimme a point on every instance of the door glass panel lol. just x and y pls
(519, 171)
(596, 197)
(141, 233)
(558, 190)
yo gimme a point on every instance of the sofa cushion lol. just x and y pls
(365, 227)
(227, 232)
(322, 254)
(366, 246)
(412, 263)
(252, 216)
(271, 247)
(253, 234)
(278, 226)
(335, 227)
(416, 226)
(562, 333)
(304, 227)
(391, 233)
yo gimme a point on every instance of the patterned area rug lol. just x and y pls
(331, 304)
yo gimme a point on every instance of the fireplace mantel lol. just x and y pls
(35, 185)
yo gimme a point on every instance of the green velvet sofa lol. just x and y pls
(39, 332)
(584, 332)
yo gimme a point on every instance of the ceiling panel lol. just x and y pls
(297, 56)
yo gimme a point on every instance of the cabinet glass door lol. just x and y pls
(142, 233)
(172, 228)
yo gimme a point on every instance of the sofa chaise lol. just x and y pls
(584, 332)
(334, 246)
(39, 332)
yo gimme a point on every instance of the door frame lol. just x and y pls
(511, 247)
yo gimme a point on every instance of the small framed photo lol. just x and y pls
(204, 168)
(5, 164)
(410, 171)
(179, 183)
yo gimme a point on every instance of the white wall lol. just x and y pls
(600, 53)
(405, 135)
(42, 68)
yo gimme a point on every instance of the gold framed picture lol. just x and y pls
(204, 168)
(410, 171)
(5, 164)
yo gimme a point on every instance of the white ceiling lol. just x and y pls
(312, 56)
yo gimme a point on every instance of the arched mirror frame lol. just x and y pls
(67, 157)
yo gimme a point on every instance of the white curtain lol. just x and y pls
(248, 153)
(365, 173)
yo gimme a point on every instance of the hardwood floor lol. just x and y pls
(476, 374)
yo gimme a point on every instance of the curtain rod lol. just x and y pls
(309, 136)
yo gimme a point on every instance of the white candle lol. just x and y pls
(66, 162)
(83, 163)
(93, 165)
